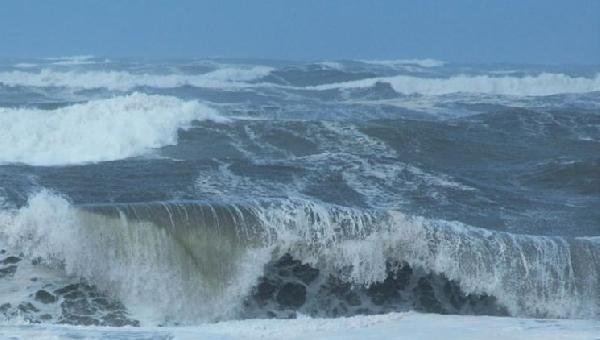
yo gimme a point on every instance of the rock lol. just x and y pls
(292, 295)
(67, 289)
(426, 299)
(27, 307)
(8, 271)
(118, 319)
(11, 260)
(306, 273)
(75, 294)
(45, 297)
(5, 307)
(77, 307)
(264, 291)
(353, 299)
(388, 290)
(106, 304)
(46, 317)
(79, 320)
(454, 294)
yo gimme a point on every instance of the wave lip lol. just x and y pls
(540, 85)
(99, 130)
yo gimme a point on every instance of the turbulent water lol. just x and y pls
(177, 192)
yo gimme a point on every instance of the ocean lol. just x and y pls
(178, 193)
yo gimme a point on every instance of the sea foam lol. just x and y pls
(124, 80)
(99, 130)
(539, 85)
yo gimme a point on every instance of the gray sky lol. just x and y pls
(523, 31)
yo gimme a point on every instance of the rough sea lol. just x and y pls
(178, 193)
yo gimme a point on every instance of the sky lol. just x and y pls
(510, 31)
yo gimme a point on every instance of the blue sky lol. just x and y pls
(526, 31)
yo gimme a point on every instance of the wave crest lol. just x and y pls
(540, 85)
(99, 130)
(203, 259)
(124, 80)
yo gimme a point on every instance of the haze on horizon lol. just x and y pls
(533, 32)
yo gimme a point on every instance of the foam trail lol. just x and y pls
(99, 130)
(540, 85)
(123, 80)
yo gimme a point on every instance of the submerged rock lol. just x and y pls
(11, 260)
(265, 290)
(8, 271)
(83, 304)
(288, 285)
(27, 307)
(426, 299)
(292, 295)
(44, 297)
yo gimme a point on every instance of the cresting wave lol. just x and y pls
(203, 259)
(98, 130)
(539, 85)
(542, 84)
(124, 80)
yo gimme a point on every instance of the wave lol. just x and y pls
(25, 65)
(123, 80)
(99, 130)
(540, 85)
(394, 63)
(204, 258)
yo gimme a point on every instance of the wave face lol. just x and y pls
(211, 256)
(180, 192)
(99, 130)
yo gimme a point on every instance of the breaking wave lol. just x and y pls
(203, 259)
(98, 130)
(124, 80)
(540, 85)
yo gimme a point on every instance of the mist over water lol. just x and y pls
(185, 191)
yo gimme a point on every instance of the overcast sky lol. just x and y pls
(459, 31)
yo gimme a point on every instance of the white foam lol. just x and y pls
(82, 57)
(123, 80)
(99, 130)
(388, 326)
(152, 270)
(25, 65)
(538, 85)
(334, 65)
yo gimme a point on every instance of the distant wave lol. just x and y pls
(72, 60)
(539, 85)
(99, 130)
(123, 80)
(25, 65)
(427, 62)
